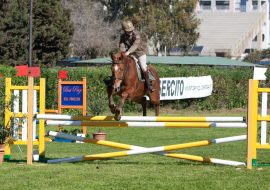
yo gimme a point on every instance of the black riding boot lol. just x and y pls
(148, 82)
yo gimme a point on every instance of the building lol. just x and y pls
(232, 28)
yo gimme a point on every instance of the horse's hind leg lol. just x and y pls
(144, 103)
(157, 108)
(154, 98)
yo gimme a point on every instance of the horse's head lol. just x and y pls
(118, 69)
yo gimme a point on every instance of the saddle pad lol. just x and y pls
(139, 71)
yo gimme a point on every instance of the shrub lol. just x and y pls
(229, 86)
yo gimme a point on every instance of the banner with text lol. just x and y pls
(185, 87)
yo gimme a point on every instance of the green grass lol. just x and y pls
(146, 171)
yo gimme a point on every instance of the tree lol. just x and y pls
(13, 32)
(257, 56)
(171, 23)
(93, 36)
(52, 31)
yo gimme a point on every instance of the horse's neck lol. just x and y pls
(130, 70)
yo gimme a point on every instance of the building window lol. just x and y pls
(205, 5)
(222, 5)
(255, 39)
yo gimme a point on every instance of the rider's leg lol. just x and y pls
(142, 62)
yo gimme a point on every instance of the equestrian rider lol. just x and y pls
(132, 44)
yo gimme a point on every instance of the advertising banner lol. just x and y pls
(185, 87)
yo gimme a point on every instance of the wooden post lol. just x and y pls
(84, 108)
(59, 96)
(30, 121)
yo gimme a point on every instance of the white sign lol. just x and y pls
(185, 87)
(259, 73)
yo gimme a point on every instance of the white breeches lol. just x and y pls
(142, 62)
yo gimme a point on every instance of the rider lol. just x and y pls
(132, 44)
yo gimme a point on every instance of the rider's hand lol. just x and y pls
(127, 53)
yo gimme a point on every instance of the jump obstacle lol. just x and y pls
(16, 117)
(150, 121)
(253, 118)
(147, 121)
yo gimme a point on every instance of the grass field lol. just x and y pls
(148, 171)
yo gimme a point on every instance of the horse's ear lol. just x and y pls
(112, 55)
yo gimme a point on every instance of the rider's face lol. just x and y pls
(128, 33)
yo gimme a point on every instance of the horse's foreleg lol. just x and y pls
(119, 109)
(111, 101)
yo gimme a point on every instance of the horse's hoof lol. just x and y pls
(113, 108)
(117, 117)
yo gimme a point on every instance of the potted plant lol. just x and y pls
(99, 135)
(5, 138)
(2, 145)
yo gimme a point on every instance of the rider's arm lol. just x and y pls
(136, 43)
(122, 47)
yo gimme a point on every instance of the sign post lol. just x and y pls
(72, 95)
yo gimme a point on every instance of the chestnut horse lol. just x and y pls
(126, 84)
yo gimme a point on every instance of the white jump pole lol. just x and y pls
(34, 111)
(139, 118)
(146, 124)
(16, 109)
(264, 114)
(24, 111)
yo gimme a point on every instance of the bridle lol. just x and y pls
(123, 72)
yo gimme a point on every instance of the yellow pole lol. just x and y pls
(7, 113)
(30, 120)
(189, 157)
(132, 152)
(42, 95)
(252, 121)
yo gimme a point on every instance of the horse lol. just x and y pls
(126, 83)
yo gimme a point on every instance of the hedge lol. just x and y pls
(229, 88)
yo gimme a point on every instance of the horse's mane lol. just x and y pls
(129, 60)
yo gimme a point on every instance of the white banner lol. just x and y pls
(185, 87)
